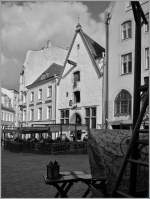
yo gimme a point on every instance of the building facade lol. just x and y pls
(80, 87)
(121, 62)
(35, 64)
(40, 102)
(9, 108)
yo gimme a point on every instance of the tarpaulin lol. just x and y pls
(106, 149)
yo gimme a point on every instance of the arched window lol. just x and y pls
(123, 103)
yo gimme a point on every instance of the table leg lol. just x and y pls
(62, 187)
(101, 186)
(86, 193)
(68, 187)
(62, 191)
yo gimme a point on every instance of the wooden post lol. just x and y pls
(138, 15)
(75, 131)
(105, 78)
(61, 131)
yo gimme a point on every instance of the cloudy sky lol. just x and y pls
(28, 25)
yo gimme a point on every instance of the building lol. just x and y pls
(36, 62)
(80, 86)
(9, 108)
(121, 62)
(40, 104)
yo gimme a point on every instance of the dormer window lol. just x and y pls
(78, 46)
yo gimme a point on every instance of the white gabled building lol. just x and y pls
(79, 97)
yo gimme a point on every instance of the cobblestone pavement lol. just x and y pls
(21, 175)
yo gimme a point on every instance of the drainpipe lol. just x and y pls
(105, 81)
(55, 98)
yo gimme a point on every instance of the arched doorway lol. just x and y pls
(76, 119)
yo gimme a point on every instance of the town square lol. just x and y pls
(74, 99)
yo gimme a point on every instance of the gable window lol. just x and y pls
(90, 117)
(76, 78)
(49, 91)
(146, 58)
(64, 116)
(32, 96)
(40, 94)
(76, 96)
(40, 113)
(126, 63)
(49, 112)
(123, 104)
(126, 30)
(31, 114)
(147, 25)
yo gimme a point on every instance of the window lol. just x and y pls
(123, 104)
(90, 117)
(32, 114)
(21, 95)
(64, 116)
(126, 29)
(147, 25)
(77, 97)
(39, 113)
(76, 78)
(49, 112)
(11, 118)
(40, 94)
(24, 97)
(24, 115)
(2, 115)
(49, 91)
(32, 96)
(126, 63)
(146, 58)
(87, 116)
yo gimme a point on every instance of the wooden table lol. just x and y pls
(68, 178)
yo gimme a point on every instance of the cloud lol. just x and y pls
(9, 72)
(28, 26)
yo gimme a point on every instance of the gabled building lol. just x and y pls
(80, 86)
(121, 62)
(36, 62)
(40, 106)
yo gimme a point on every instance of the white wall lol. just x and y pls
(117, 47)
(90, 86)
(38, 61)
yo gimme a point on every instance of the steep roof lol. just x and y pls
(94, 49)
(51, 72)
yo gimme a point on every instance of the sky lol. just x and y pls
(29, 25)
